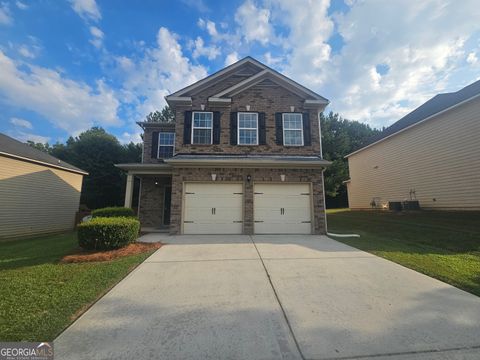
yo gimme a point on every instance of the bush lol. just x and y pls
(114, 211)
(102, 233)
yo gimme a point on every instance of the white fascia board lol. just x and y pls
(221, 101)
(187, 100)
(417, 123)
(250, 163)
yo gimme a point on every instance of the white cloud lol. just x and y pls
(197, 5)
(69, 105)
(472, 58)
(5, 15)
(254, 22)
(161, 70)
(231, 58)
(24, 136)
(388, 65)
(26, 52)
(98, 35)
(21, 123)
(210, 52)
(21, 5)
(86, 9)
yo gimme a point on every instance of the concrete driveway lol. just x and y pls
(274, 297)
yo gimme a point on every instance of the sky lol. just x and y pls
(66, 66)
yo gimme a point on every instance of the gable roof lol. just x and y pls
(265, 72)
(16, 149)
(435, 106)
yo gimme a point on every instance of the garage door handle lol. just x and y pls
(188, 222)
(305, 194)
(257, 193)
(189, 193)
(306, 222)
(214, 211)
(257, 221)
(238, 221)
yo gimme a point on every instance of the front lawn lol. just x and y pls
(443, 245)
(39, 297)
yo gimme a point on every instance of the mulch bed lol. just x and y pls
(81, 255)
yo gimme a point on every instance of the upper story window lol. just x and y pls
(166, 144)
(247, 128)
(202, 128)
(292, 129)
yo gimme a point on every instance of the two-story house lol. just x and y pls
(243, 157)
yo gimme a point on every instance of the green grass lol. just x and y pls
(40, 297)
(443, 245)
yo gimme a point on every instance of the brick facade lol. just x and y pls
(267, 97)
(152, 193)
(181, 175)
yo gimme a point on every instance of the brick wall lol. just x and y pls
(151, 201)
(181, 175)
(269, 98)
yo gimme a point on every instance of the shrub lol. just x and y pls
(103, 233)
(114, 211)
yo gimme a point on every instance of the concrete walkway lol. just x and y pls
(274, 297)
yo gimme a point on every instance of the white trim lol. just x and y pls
(174, 139)
(193, 127)
(235, 163)
(320, 134)
(283, 129)
(219, 100)
(417, 123)
(216, 75)
(43, 163)
(238, 128)
(276, 77)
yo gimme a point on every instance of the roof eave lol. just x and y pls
(250, 163)
(18, 157)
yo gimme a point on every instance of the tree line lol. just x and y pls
(96, 152)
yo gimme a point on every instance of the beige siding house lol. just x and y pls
(38, 193)
(431, 155)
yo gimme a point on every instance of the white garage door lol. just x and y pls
(282, 209)
(213, 208)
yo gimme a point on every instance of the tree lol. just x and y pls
(166, 115)
(339, 138)
(39, 146)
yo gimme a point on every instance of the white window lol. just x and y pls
(166, 144)
(247, 128)
(292, 129)
(202, 124)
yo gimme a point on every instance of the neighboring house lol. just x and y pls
(432, 155)
(38, 193)
(243, 157)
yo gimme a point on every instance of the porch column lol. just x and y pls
(129, 191)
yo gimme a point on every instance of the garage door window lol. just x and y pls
(292, 129)
(202, 128)
(247, 128)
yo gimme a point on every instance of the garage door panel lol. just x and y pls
(213, 208)
(282, 208)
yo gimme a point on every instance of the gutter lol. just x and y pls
(248, 163)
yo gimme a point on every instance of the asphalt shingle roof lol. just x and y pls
(433, 106)
(14, 147)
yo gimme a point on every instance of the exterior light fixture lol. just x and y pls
(292, 108)
(202, 107)
(249, 177)
(156, 182)
(214, 177)
(282, 177)
(247, 107)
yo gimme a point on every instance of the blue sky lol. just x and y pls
(68, 65)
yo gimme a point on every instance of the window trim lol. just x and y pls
(158, 147)
(301, 129)
(194, 127)
(238, 128)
